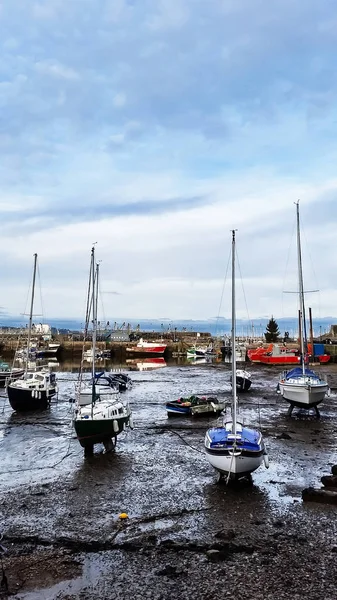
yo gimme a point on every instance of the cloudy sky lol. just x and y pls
(153, 127)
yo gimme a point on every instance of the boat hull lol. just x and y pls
(243, 384)
(22, 400)
(155, 350)
(239, 465)
(175, 408)
(303, 396)
(10, 375)
(96, 431)
(278, 360)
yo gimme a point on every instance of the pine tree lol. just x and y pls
(272, 331)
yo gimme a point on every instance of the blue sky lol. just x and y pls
(154, 127)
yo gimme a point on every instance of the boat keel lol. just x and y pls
(315, 407)
(110, 444)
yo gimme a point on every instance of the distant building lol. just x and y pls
(41, 328)
(118, 335)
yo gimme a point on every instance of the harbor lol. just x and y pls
(63, 532)
(176, 345)
(168, 322)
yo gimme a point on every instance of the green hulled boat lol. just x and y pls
(101, 413)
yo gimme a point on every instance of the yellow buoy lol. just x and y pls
(123, 516)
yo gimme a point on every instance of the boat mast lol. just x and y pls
(311, 337)
(94, 325)
(96, 298)
(31, 313)
(233, 336)
(301, 289)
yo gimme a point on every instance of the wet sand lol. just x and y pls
(187, 536)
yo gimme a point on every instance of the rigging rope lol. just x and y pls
(287, 264)
(40, 290)
(313, 270)
(222, 294)
(243, 289)
(24, 314)
(100, 293)
(185, 442)
(86, 326)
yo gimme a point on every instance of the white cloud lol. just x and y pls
(141, 254)
(170, 14)
(45, 10)
(58, 70)
(119, 100)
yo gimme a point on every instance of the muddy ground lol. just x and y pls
(186, 536)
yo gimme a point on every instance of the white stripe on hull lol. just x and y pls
(237, 465)
(306, 395)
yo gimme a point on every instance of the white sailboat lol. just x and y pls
(100, 414)
(232, 449)
(301, 386)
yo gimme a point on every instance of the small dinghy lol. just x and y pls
(243, 380)
(195, 405)
(120, 380)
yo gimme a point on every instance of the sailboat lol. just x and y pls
(7, 372)
(232, 449)
(301, 386)
(34, 390)
(100, 413)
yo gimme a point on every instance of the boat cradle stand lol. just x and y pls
(109, 445)
(292, 406)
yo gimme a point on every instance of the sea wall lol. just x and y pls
(71, 345)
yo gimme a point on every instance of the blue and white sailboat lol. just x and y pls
(232, 449)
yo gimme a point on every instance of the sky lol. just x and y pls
(154, 127)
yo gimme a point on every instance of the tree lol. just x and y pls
(272, 331)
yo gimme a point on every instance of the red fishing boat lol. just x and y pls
(281, 355)
(144, 347)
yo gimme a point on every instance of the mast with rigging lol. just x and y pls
(31, 313)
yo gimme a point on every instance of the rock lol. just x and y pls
(216, 555)
(284, 436)
(278, 523)
(225, 534)
(334, 469)
(152, 539)
(169, 571)
(329, 480)
(324, 496)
